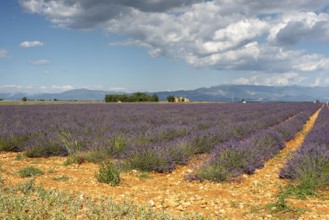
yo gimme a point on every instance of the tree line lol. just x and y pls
(135, 97)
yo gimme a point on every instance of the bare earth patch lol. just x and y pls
(242, 199)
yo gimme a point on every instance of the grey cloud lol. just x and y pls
(84, 14)
(297, 31)
(266, 7)
(155, 5)
(295, 27)
(142, 5)
(292, 33)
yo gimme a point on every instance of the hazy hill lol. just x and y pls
(222, 93)
(253, 93)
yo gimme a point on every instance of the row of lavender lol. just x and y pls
(236, 157)
(310, 163)
(150, 136)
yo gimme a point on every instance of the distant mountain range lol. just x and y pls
(222, 93)
(230, 93)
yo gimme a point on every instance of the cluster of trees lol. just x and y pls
(135, 97)
(24, 99)
(171, 98)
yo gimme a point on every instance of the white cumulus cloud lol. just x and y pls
(280, 79)
(39, 62)
(27, 44)
(238, 35)
(62, 87)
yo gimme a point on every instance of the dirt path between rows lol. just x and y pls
(244, 199)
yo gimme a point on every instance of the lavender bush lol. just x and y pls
(310, 163)
(244, 156)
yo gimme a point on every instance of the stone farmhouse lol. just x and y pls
(181, 99)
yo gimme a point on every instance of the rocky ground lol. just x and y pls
(250, 197)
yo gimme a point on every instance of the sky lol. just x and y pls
(161, 45)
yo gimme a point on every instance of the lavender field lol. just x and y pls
(156, 137)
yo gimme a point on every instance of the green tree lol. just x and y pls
(24, 99)
(171, 98)
(140, 97)
(154, 98)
